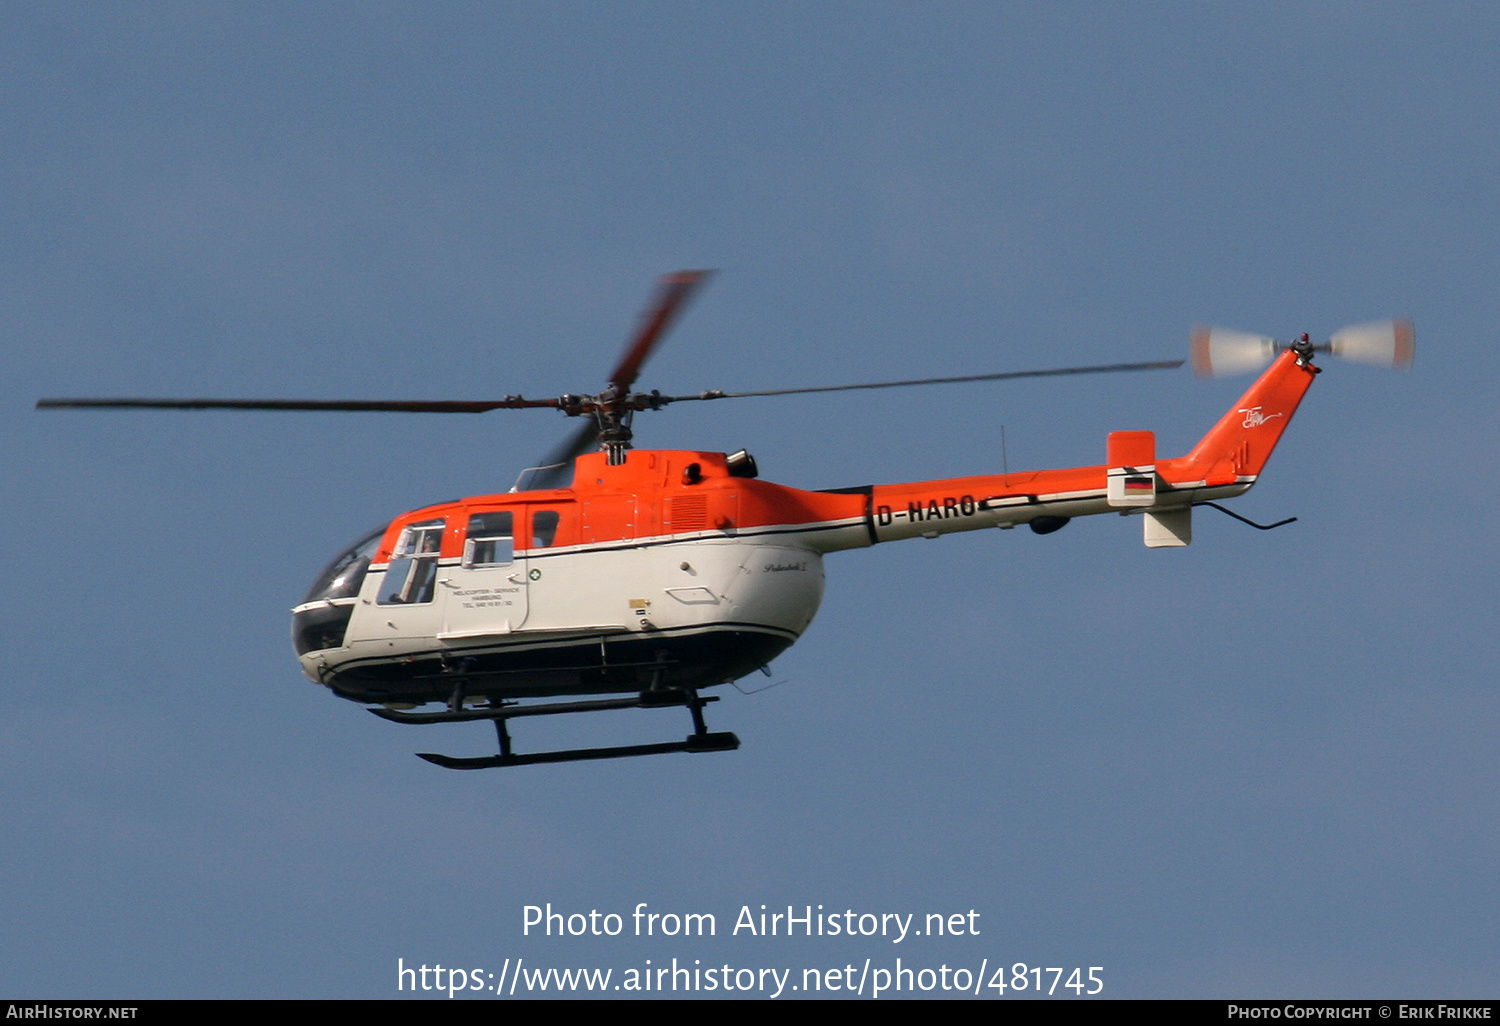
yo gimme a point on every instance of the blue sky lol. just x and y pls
(1261, 766)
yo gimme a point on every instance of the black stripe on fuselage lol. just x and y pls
(868, 491)
(740, 533)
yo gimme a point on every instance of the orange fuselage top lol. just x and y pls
(658, 496)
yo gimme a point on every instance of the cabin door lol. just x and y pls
(487, 592)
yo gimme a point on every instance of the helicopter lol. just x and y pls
(652, 575)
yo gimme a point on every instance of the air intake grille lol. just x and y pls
(687, 513)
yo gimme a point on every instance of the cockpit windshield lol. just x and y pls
(342, 577)
(320, 621)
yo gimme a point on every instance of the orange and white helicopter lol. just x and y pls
(656, 574)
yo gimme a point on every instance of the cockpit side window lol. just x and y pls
(491, 540)
(412, 572)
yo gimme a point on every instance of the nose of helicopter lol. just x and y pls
(323, 616)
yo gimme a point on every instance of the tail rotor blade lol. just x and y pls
(1219, 352)
(1384, 344)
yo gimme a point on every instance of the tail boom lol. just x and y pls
(1224, 464)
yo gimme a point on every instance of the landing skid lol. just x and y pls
(700, 740)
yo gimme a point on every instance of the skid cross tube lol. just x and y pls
(701, 740)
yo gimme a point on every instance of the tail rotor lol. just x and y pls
(1221, 352)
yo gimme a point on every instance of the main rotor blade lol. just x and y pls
(1004, 376)
(353, 405)
(672, 295)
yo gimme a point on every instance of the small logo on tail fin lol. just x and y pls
(1254, 418)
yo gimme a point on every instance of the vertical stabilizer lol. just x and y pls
(1238, 446)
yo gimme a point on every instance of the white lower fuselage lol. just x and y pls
(591, 619)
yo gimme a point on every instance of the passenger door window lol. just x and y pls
(490, 541)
